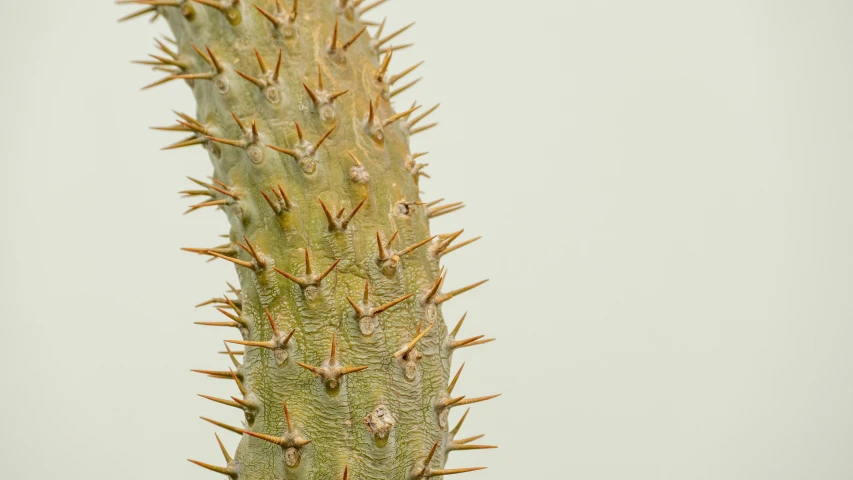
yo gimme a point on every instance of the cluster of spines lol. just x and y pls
(220, 195)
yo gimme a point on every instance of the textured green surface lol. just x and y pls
(380, 422)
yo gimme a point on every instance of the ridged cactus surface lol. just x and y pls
(336, 344)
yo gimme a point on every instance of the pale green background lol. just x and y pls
(664, 191)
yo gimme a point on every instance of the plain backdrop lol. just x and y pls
(664, 191)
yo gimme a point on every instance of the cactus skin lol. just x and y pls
(336, 380)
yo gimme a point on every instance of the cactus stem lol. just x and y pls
(370, 157)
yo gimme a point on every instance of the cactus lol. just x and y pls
(346, 359)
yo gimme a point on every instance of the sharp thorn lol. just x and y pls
(390, 304)
(447, 296)
(469, 401)
(223, 425)
(213, 468)
(408, 348)
(352, 40)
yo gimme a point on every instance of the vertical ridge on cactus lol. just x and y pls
(346, 364)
